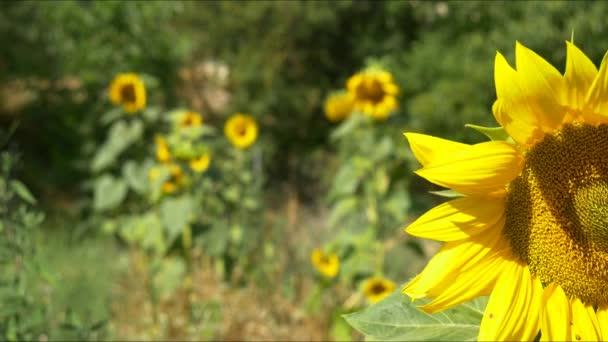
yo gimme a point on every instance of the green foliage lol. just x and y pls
(396, 318)
(20, 316)
(279, 60)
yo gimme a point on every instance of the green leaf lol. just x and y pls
(347, 126)
(136, 176)
(21, 190)
(345, 182)
(494, 133)
(396, 318)
(121, 136)
(341, 209)
(109, 192)
(175, 214)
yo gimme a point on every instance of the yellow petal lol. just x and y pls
(476, 282)
(512, 311)
(602, 320)
(428, 149)
(580, 73)
(542, 87)
(556, 317)
(459, 219)
(479, 169)
(584, 322)
(596, 101)
(455, 258)
(510, 109)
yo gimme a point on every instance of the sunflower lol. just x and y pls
(531, 229)
(241, 130)
(200, 164)
(190, 119)
(374, 93)
(377, 288)
(128, 90)
(163, 154)
(338, 106)
(328, 264)
(176, 179)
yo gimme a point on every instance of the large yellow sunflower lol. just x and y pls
(128, 90)
(531, 230)
(374, 92)
(241, 130)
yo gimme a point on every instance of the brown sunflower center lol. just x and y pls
(557, 211)
(370, 89)
(377, 288)
(241, 129)
(127, 93)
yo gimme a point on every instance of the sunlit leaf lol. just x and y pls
(22, 191)
(175, 214)
(109, 192)
(397, 318)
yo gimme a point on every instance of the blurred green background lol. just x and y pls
(229, 256)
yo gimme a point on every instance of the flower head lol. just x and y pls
(328, 264)
(128, 90)
(190, 119)
(374, 93)
(241, 130)
(200, 164)
(176, 179)
(163, 154)
(531, 229)
(338, 106)
(377, 288)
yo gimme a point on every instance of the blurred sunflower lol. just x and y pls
(374, 92)
(128, 90)
(177, 179)
(328, 264)
(154, 173)
(200, 164)
(531, 230)
(241, 130)
(377, 288)
(338, 106)
(190, 119)
(163, 154)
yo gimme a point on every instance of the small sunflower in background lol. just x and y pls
(531, 227)
(374, 92)
(190, 119)
(176, 180)
(338, 106)
(163, 154)
(327, 264)
(377, 288)
(200, 164)
(241, 130)
(128, 91)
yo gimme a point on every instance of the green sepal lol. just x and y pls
(494, 133)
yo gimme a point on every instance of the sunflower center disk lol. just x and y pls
(371, 90)
(557, 211)
(127, 93)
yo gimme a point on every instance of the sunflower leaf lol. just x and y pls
(396, 318)
(494, 133)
